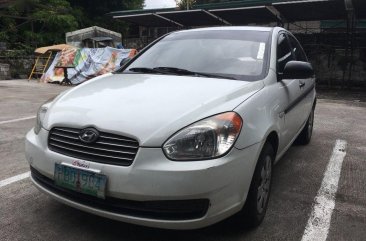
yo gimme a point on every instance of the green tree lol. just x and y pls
(98, 8)
(33, 23)
(184, 4)
(93, 12)
(27, 24)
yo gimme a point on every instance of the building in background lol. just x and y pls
(333, 32)
(94, 37)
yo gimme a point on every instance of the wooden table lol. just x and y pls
(66, 80)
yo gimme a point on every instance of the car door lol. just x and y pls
(290, 91)
(306, 85)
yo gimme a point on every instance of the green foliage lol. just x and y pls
(36, 22)
(183, 4)
(13, 53)
(98, 8)
(28, 24)
(93, 12)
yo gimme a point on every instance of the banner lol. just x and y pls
(86, 63)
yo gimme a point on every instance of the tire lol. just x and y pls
(306, 133)
(256, 204)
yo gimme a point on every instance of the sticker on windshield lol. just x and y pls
(262, 47)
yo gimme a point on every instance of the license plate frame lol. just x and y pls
(80, 180)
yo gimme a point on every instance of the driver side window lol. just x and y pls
(297, 49)
(284, 53)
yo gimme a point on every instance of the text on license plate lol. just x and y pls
(82, 181)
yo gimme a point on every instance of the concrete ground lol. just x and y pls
(27, 214)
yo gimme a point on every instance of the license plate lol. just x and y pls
(82, 181)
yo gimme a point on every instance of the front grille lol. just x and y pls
(109, 148)
(163, 210)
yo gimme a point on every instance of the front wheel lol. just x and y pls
(256, 204)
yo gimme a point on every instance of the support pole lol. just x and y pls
(349, 42)
(352, 46)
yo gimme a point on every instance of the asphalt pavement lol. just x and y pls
(27, 214)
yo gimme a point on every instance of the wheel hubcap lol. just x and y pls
(265, 183)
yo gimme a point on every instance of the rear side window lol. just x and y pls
(297, 49)
(284, 53)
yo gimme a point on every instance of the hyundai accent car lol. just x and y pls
(184, 135)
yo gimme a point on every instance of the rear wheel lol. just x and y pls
(306, 133)
(257, 201)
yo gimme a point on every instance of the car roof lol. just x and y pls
(252, 28)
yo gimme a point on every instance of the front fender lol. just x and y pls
(261, 116)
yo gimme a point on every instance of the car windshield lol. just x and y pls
(235, 54)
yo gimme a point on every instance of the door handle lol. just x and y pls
(302, 84)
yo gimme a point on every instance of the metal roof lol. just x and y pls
(244, 12)
(195, 17)
(99, 39)
(312, 10)
(93, 31)
(244, 15)
(58, 47)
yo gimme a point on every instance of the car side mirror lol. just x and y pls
(124, 61)
(298, 70)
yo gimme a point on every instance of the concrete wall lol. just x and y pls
(330, 65)
(19, 67)
(4, 71)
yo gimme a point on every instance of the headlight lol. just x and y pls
(41, 113)
(209, 138)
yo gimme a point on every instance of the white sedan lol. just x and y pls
(183, 135)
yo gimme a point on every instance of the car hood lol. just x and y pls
(149, 108)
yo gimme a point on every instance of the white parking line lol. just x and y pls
(318, 224)
(16, 178)
(16, 120)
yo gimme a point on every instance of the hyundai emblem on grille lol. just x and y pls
(88, 135)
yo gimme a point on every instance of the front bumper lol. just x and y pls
(152, 178)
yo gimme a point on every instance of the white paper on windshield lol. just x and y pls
(261, 49)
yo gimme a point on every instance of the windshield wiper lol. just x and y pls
(179, 71)
(146, 70)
